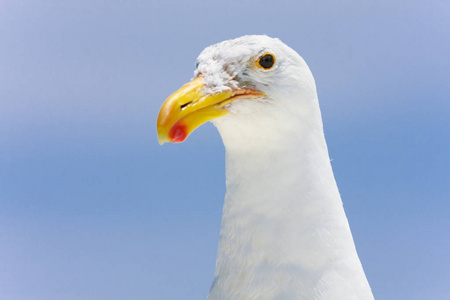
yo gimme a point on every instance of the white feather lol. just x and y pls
(284, 233)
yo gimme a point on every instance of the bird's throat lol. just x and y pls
(283, 226)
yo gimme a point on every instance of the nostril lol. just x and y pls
(183, 106)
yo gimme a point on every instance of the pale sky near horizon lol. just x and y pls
(91, 207)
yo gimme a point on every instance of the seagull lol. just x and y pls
(284, 233)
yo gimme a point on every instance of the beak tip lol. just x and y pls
(162, 138)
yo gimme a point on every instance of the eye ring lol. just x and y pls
(266, 61)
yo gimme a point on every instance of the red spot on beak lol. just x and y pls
(178, 133)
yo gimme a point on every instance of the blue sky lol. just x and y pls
(91, 207)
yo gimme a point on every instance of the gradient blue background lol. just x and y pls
(91, 207)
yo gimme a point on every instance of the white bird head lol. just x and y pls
(247, 76)
(284, 232)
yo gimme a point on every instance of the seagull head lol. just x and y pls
(251, 77)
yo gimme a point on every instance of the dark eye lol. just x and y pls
(267, 61)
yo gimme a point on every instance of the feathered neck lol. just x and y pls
(284, 233)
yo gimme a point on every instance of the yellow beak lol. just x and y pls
(190, 107)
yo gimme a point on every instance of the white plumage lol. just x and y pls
(284, 233)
